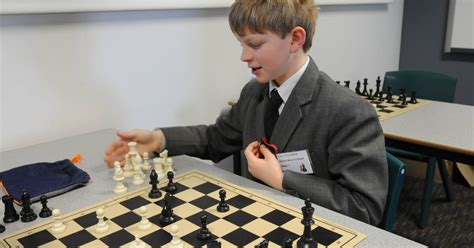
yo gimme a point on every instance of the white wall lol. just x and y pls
(67, 74)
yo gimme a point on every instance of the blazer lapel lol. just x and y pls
(292, 113)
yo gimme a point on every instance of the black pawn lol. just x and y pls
(214, 244)
(357, 88)
(154, 192)
(306, 239)
(2, 228)
(45, 211)
(371, 97)
(223, 206)
(381, 96)
(204, 233)
(171, 187)
(166, 216)
(413, 97)
(10, 212)
(288, 243)
(27, 214)
(347, 83)
(263, 244)
(402, 95)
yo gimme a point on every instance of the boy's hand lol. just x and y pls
(263, 165)
(147, 141)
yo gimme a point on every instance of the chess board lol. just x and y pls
(387, 110)
(251, 219)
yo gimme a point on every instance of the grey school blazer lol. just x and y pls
(339, 129)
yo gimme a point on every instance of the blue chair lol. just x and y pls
(396, 172)
(430, 86)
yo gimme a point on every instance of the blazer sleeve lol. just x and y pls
(357, 166)
(214, 142)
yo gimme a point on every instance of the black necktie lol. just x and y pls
(271, 113)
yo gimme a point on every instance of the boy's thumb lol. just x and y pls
(265, 151)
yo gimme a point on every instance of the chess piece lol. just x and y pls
(10, 213)
(137, 175)
(401, 95)
(144, 224)
(164, 154)
(378, 83)
(137, 243)
(158, 162)
(166, 216)
(347, 83)
(214, 244)
(357, 88)
(381, 97)
(45, 211)
(58, 225)
(404, 101)
(171, 187)
(413, 97)
(120, 188)
(128, 167)
(263, 244)
(223, 206)
(26, 213)
(338, 82)
(370, 96)
(288, 243)
(102, 226)
(204, 233)
(2, 228)
(146, 164)
(366, 83)
(168, 165)
(389, 95)
(154, 192)
(176, 242)
(306, 239)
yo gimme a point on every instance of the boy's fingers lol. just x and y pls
(127, 135)
(265, 151)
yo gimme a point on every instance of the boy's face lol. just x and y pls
(268, 55)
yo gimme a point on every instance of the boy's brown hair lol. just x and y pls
(277, 16)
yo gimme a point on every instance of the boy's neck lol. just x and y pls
(296, 63)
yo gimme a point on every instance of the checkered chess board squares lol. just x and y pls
(250, 219)
(387, 110)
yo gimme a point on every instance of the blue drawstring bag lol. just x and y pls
(43, 178)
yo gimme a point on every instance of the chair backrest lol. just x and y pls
(396, 172)
(427, 85)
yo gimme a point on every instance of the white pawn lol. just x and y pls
(58, 226)
(102, 226)
(137, 175)
(146, 164)
(137, 243)
(128, 168)
(168, 165)
(144, 224)
(119, 177)
(158, 162)
(176, 242)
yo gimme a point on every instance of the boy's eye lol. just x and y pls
(255, 46)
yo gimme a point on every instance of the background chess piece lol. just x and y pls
(45, 211)
(10, 213)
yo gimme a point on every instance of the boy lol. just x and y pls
(297, 108)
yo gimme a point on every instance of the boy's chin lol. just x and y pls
(262, 80)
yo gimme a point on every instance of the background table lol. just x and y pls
(92, 145)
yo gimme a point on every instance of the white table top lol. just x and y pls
(92, 145)
(441, 125)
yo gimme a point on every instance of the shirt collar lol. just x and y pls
(287, 87)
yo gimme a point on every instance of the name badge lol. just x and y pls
(297, 161)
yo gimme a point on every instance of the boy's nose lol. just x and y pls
(245, 56)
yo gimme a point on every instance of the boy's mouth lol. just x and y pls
(256, 69)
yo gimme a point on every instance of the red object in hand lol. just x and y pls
(272, 147)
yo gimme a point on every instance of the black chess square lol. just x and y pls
(196, 218)
(240, 218)
(240, 201)
(277, 217)
(118, 238)
(324, 236)
(192, 239)
(386, 111)
(126, 219)
(174, 202)
(158, 238)
(156, 220)
(279, 235)
(77, 239)
(87, 220)
(207, 188)
(179, 187)
(240, 237)
(135, 202)
(204, 202)
(37, 239)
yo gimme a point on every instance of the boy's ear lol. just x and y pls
(298, 38)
